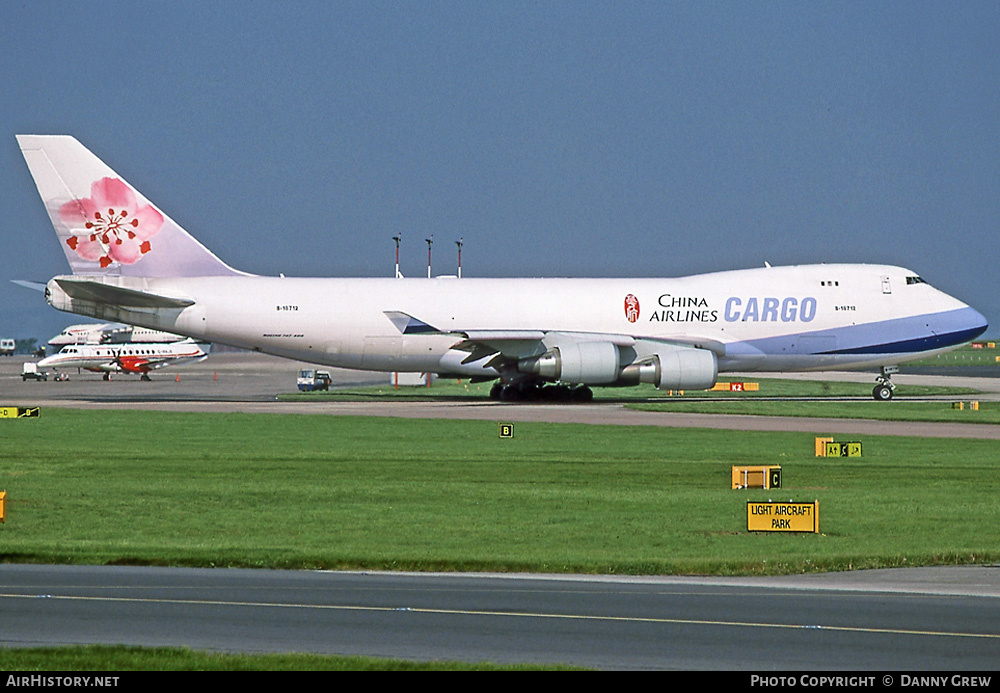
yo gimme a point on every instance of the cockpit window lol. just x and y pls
(915, 280)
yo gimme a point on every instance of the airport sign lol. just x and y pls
(782, 517)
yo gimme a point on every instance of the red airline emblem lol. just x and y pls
(631, 308)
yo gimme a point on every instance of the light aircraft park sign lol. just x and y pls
(782, 517)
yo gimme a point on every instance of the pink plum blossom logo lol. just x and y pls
(110, 225)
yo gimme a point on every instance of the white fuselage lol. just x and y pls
(768, 319)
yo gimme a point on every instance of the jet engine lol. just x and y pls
(599, 363)
(587, 363)
(673, 368)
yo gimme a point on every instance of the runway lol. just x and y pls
(914, 619)
(909, 620)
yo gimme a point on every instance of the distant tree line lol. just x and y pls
(29, 346)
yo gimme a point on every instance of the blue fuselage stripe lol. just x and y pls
(938, 341)
(925, 333)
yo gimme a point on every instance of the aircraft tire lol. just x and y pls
(882, 393)
(509, 393)
(555, 393)
(529, 392)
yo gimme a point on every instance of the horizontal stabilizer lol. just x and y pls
(34, 286)
(99, 292)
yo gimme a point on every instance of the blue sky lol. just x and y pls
(556, 138)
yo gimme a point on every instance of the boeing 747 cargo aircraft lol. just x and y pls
(131, 263)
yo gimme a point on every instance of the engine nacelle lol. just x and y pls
(586, 363)
(674, 368)
(599, 363)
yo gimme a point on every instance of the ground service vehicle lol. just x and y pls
(30, 372)
(310, 380)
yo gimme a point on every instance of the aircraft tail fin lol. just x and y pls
(104, 225)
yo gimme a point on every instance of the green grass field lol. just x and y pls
(309, 491)
(897, 410)
(105, 659)
(968, 355)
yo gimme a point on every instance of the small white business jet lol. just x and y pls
(132, 263)
(134, 357)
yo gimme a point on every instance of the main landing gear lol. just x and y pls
(537, 392)
(883, 391)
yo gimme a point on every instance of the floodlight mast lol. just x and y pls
(398, 237)
(430, 241)
(459, 244)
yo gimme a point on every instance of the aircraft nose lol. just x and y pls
(958, 326)
(969, 324)
(977, 322)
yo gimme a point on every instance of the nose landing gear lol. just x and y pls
(884, 390)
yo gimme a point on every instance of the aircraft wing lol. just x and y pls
(137, 364)
(144, 364)
(514, 345)
(510, 344)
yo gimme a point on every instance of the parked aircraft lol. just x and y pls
(114, 333)
(134, 264)
(134, 357)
